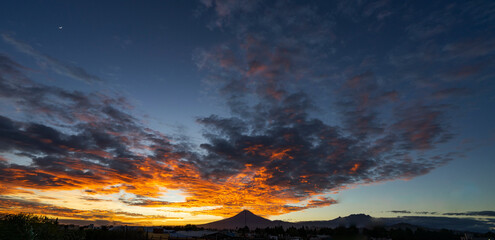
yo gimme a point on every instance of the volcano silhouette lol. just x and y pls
(242, 219)
(252, 221)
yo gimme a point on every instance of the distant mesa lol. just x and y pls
(357, 220)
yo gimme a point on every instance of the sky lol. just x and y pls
(186, 112)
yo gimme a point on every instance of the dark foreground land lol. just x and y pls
(31, 227)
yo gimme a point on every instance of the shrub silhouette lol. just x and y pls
(29, 227)
(24, 226)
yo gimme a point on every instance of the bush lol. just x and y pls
(29, 227)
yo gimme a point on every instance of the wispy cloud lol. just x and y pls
(68, 215)
(400, 211)
(56, 65)
(462, 224)
(472, 213)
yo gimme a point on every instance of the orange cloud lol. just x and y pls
(9, 205)
(355, 167)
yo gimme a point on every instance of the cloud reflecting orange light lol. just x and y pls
(247, 189)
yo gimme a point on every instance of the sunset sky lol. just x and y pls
(178, 112)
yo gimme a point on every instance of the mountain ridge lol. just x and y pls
(252, 221)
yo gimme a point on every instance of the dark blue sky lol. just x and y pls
(308, 107)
